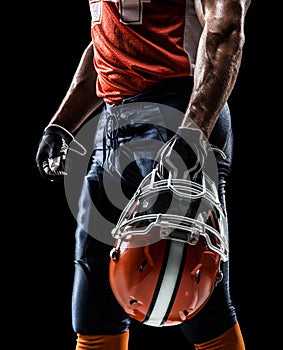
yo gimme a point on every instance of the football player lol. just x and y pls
(147, 59)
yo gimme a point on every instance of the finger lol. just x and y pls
(45, 167)
(50, 172)
(54, 163)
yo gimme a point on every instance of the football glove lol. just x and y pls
(183, 155)
(52, 152)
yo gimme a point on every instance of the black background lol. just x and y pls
(55, 39)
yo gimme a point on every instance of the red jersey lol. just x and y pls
(138, 43)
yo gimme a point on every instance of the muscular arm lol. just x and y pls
(80, 100)
(218, 59)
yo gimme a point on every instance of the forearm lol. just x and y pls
(218, 62)
(80, 100)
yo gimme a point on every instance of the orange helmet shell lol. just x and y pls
(163, 283)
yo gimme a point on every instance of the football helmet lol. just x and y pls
(169, 242)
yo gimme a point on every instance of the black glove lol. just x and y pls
(52, 152)
(183, 155)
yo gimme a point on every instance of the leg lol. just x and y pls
(217, 321)
(98, 319)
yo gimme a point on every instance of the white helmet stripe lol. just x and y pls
(168, 284)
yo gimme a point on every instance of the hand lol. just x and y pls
(52, 152)
(183, 155)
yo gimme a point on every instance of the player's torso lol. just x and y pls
(140, 42)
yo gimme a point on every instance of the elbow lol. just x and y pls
(226, 24)
(227, 35)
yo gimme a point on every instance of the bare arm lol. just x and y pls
(218, 59)
(80, 100)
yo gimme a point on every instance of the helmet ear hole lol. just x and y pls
(198, 276)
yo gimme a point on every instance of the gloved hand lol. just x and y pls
(52, 152)
(183, 155)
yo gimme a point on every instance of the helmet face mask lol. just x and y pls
(170, 240)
